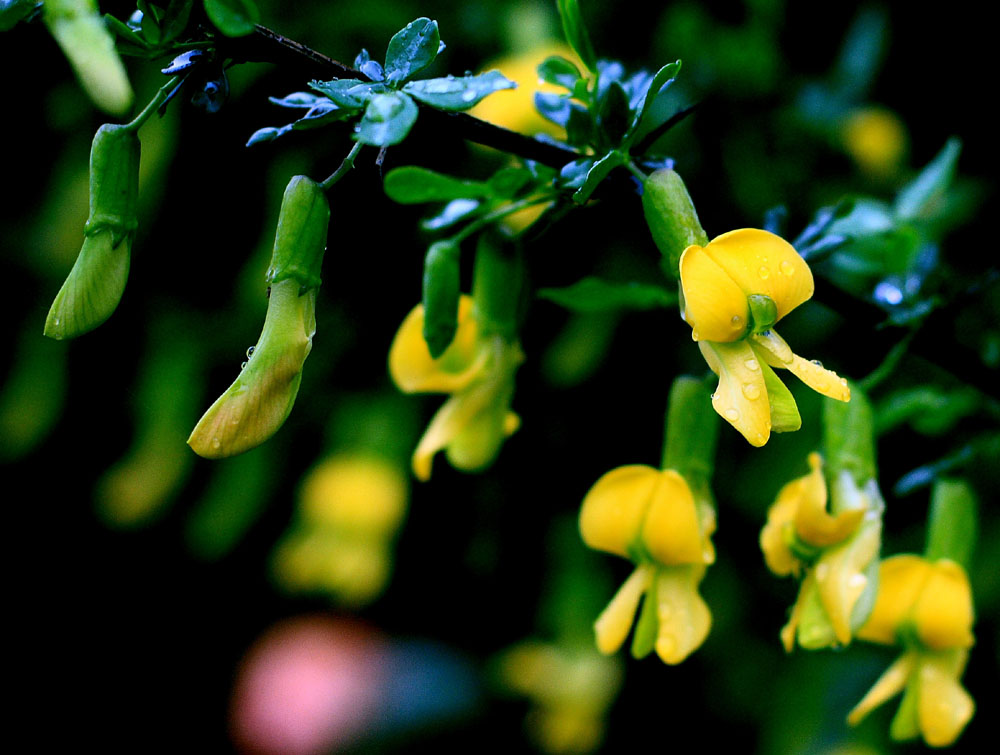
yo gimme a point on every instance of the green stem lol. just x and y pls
(889, 364)
(345, 166)
(154, 103)
(636, 171)
(491, 217)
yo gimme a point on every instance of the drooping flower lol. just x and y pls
(652, 517)
(477, 370)
(734, 290)
(837, 553)
(925, 606)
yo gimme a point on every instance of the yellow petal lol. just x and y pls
(812, 523)
(841, 578)
(670, 530)
(684, 617)
(790, 630)
(261, 398)
(614, 509)
(780, 518)
(901, 579)
(741, 397)
(356, 492)
(889, 684)
(447, 423)
(714, 306)
(777, 353)
(943, 705)
(761, 263)
(615, 621)
(943, 609)
(414, 371)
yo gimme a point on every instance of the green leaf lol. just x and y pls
(579, 126)
(507, 183)
(613, 115)
(553, 107)
(559, 71)
(663, 78)
(412, 184)
(12, 11)
(387, 120)
(918, 197)
(593, 294)
(175, 19)
(951, 531)
(597, 173)
(574, 174)
(458, 93)
(576, 32)
(411, 50)
(352, 94)
(234, 18)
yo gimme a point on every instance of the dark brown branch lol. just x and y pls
(267, 46)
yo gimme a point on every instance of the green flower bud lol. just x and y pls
(671, 217)
(300, 240)
(497, 286)
(440, 296)
(96, 283)
(81, 33)
(261, 398)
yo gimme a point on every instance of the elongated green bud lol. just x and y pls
(81, 33)
(300, 240)
(261, 398)
(96, 283)
(691, 433)
(671, 217)
(497, 285)
(849, 437)
(440, 295)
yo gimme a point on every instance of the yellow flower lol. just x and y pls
(734, 290)
(876, 138)
(477, 370)
(570, 688)
(838, 552)
(927, 607)
(652, 517)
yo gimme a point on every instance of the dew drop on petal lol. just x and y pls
(752, 365)
(843, 382)
(243, 365)
(250, 352)
(715, 396)
(737, 321)
(695, 336)
(764, 272)
(732, 415)
(786, 268)
(216, 444)
(817, 362)
(751, 391)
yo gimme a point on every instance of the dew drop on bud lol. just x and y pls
(751, 391)
(737, 321)
(732, 415)
(763, 272)
(787, 268)
(752, 365)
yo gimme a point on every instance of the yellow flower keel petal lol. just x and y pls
(741, 396)
(890, 684)
(683, 616)
(615, 621)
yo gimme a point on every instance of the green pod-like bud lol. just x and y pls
(849, 437)
(80, 31)
(261, 398)
(300, 240)
(440, 295)
(96, 283)
(497, 285)
(671, 217)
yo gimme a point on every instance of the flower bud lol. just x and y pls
(441, 296)
(671, 217)
(81, 33)
(96, 283)
(261, 398)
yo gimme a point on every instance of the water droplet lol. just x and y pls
(752, 364)
(715, 396)
(764, 272)
(888, 293)
(822, 572)
(250, 351)
(843, 382)
(243, 365)
(234, 421)
(737, 321)
(732, 415)
(817, 362)
(56, 321)
(216, 444)
(787, 268)
(751, 391)
(468, 95)
(695, 336)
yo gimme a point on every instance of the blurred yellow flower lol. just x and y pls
(838, 553)
(477, 370)
(734, 290)
(651, 517)
(571, 689)
(350, 508)
(926, 606)
(876, 138)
